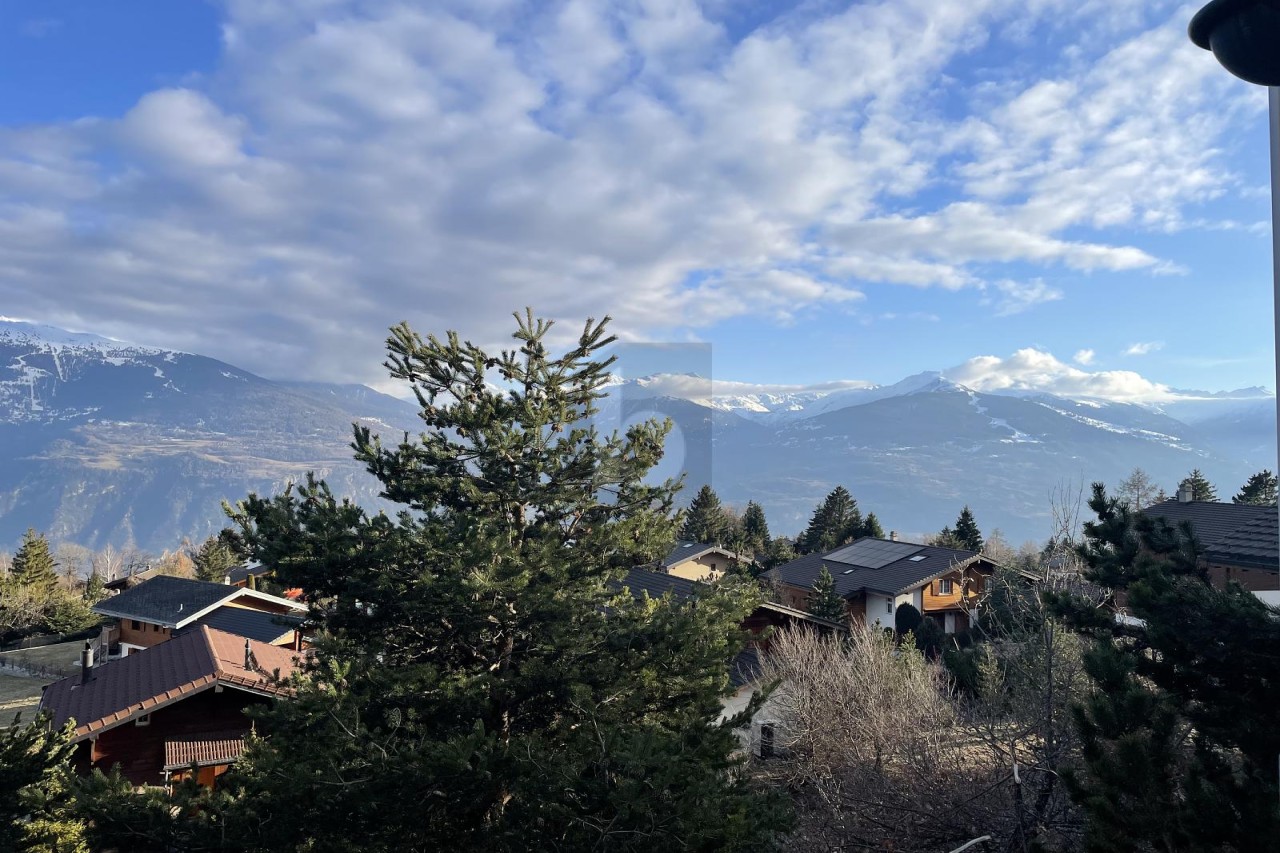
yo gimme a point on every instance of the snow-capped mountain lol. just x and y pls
(918, 450)
(105, 441)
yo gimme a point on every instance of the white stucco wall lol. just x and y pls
(879, 614)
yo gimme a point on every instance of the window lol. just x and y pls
(144, 720)
(945, 586)
(888, 605)
(135, 624)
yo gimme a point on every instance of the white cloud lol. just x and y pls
(351, 165)
(1083, 357)
(1035, 370)
(1017, 296)
(1143, 347)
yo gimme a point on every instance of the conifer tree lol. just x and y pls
(36, 789)
(706, 520)
(834, 522)
(755, 529)
(966, 531)
(1179, 736)
(1260, 490)
(826, 603)
(871, 527)
(480, 682)
(214, 559)
(33, 566)
(1201, 488)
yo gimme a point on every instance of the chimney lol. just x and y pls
(248, 654)
(1184, 493)
(226, 579)
(893, 536)
(86, 663)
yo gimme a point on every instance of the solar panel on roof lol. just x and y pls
(872, 553)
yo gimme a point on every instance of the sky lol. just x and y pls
(1064, 194)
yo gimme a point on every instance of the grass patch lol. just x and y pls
(65, 655)
(19, 693)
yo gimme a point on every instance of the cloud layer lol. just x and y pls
(676, 165)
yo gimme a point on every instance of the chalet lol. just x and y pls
(877, 576)
(698, 561)
(1240, 542)
(162, 710)
(164, 607)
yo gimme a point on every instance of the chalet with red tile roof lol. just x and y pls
(162, 709)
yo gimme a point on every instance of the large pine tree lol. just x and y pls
(755, 529)
(479, 681)
(1260, 490)
(1179, 736)
(966, 531)
(706, 520)
(33, 568)
(834, 522)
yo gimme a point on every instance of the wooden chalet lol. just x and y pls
(164, 607)
(877, 576)
(1239, 542)
(169, 710)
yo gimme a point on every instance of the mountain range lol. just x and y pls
(107, 442)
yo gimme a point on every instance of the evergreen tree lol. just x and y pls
(706, 520)
(947, 538)
(95, 588)
(33, 565)
(214, 559)
(1201, 488)
(966, 532)
(36, 782)
(479, 682)
(906, 619)
(1259, 491)
(755, 529)
(1179, 736)
(781, 550)
(835, 521)
(826, 603)
(871, 527)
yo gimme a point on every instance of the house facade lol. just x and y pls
(166, 709)
(698, 561)
(877, 576)
(164, 607)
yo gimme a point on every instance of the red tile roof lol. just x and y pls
(180, 754)
(122, 690)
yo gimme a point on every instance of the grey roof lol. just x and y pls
(1236, 534)
(165, 600)
(657, 584)
(913, 566)
(243, 622)
(241, 574)
(745, 668)
(690, 551)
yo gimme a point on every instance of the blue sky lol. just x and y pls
(1062, 194)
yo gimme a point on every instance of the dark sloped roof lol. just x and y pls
(916, 565)
(691, 551)
(165, 600)
(240, 574)
(745, 668)
(657, 584)
(243, 622)
(122, 690)
(1238, 534)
